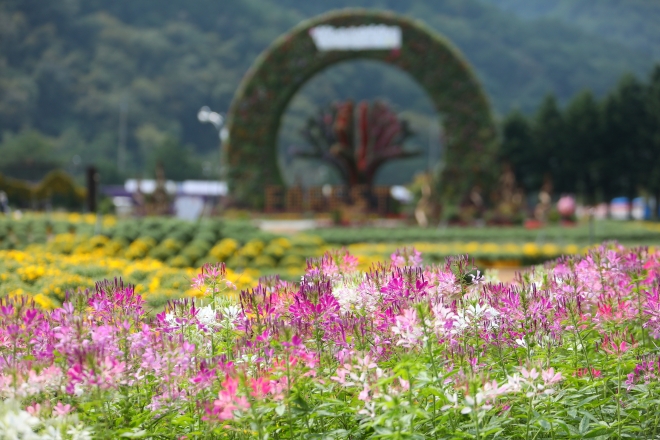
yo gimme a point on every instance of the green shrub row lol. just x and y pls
(16, 234)
(625, 232)
(206, 230)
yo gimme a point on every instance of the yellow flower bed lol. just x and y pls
(46, 277)
(90, 219)
(505, 253)
(78, 259)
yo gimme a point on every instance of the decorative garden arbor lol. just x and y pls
(254, 117)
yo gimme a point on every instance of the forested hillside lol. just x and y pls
(68, 66)
(632, 23)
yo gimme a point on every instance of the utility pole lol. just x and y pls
(121, 145)
(92, 188)
(434, 141)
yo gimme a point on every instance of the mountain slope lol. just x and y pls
(632, 23)
(66, 67)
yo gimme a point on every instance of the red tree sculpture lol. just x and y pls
(357, 145)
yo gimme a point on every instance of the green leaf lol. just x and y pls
(598, 432)
(182, 420)
(299, 404)
(587, 400)
(584, 425)
(545, 424)
(591, 416)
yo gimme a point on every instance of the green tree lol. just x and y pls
(652, 147)
(584, 145)
(179, 162)
(550, 146)
(518, 149)
(626, 122)
(28, 155)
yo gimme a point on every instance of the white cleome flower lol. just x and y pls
(79, 432)
(352, 295)
(477, 313)
(230, 312)
(206, 315)
(16, 424)
(171, 320)
(347, 296)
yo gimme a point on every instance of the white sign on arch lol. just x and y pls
(375, 36)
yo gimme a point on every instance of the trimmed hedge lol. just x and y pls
(624, 232)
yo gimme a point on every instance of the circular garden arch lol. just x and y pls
(254, 116)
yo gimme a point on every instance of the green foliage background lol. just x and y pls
(595, 148)
(66, 66)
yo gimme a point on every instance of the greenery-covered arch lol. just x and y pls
(268, 86)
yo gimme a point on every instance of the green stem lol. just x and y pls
(618, 397)
(476, 422)
(655, 425)
(529, 418)
(501, 359)
(410, 398)
(578, 337)
(434, 370)
(640, 314)
(288, 400)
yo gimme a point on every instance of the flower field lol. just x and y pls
(401, 350)
(183, 244)
(46, 277)
(44, 257)
(174, 242)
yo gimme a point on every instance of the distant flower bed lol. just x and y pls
(398, 351)
(490, 253)
(176, 243)
(181, 244)
(46, 277)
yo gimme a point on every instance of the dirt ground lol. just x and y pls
(506, 274)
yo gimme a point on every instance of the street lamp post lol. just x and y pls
(218, 120)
